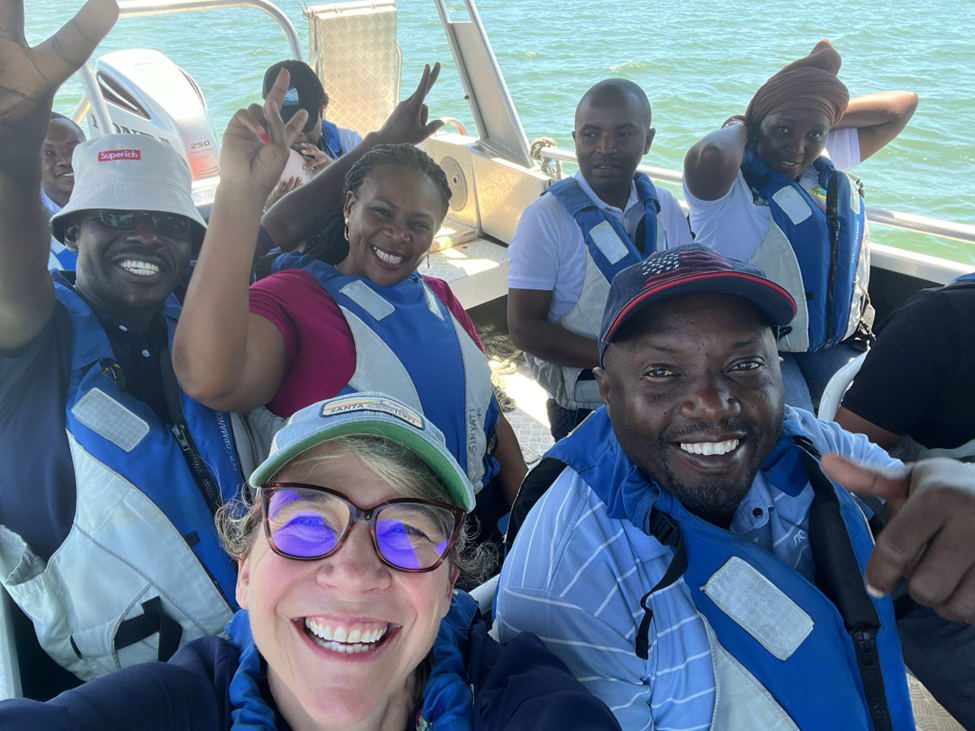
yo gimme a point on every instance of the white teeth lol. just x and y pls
(342, 640)
(709, 448)
(388, 258)
(141, 268)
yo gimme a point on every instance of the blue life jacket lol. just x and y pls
(828, 654)
(410, 346)
(608, 243)
(142, 558)
(828, 246)
(67, 259)
(610, 250)
(331, 142)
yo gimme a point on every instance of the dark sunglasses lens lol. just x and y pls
(169, 224)
(121, 219)
(306, 523)
(413, 535)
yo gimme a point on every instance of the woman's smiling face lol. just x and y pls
(392, 220)
(393, 615)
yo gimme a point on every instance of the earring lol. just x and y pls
(346, 229)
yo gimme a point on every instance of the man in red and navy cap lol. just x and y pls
(694, 554)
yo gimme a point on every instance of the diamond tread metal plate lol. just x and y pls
(354, 50)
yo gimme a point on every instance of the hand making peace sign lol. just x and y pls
(30, 77)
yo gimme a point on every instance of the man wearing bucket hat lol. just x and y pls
(695, 534)
(112, 474)
(348, 555)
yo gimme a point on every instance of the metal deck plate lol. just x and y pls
(477, 272)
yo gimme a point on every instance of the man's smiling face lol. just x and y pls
(694, 393)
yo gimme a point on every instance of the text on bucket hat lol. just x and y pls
(684, 270)
(367, 413)
(130, 173)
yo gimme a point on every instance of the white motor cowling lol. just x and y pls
(148, 94)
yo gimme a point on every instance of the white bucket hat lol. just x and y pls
(130, 173)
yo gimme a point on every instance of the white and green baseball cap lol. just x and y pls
(367, 413)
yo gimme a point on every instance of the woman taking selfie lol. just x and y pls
(348, 559)
(350, 313)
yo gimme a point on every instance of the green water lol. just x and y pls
(699, 62)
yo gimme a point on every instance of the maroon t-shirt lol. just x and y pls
(318, 341)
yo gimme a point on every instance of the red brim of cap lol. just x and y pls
(777, 304)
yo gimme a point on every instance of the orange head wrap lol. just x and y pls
(809, 83)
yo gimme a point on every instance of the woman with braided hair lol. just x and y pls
(350, 313)
(764, 189)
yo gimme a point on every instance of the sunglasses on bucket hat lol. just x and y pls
(168, 224)
(310, 522)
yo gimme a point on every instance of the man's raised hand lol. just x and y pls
(929, 539)
(409, 121)
(256, 144)
(30, 77)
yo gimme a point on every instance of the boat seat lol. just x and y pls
(484, 596)
(837, 387)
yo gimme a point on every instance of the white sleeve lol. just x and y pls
(533, 255)
(673, 220)
(843, 147)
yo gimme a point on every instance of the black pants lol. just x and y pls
(563, 421)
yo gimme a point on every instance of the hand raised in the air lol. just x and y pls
(257, 144)
(409, 121)
(30, 77)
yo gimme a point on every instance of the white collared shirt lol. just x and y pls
(548, 252)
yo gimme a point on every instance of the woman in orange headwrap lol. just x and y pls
(764, 189)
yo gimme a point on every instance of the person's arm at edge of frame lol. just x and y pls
(878, 118)
(712, 163)
(858, 425)
(511, 462)
(531, 331)
(29, 79)
(289, 221)
(225, 356)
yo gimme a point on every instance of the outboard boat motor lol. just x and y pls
(148, 94)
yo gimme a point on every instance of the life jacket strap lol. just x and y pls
(839, 577)
(152, 621)
(664, 529)
(204, 480)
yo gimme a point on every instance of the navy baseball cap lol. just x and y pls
(684, 270)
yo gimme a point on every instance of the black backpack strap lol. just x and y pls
(839, 577)
(664, 529)
(532, 488)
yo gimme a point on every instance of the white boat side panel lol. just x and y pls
(452, 152)
(504, 190)
(919, 266)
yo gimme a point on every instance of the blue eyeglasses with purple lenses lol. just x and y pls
(309, 522)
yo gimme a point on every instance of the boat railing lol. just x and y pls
(879, 216)
(95, 103)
